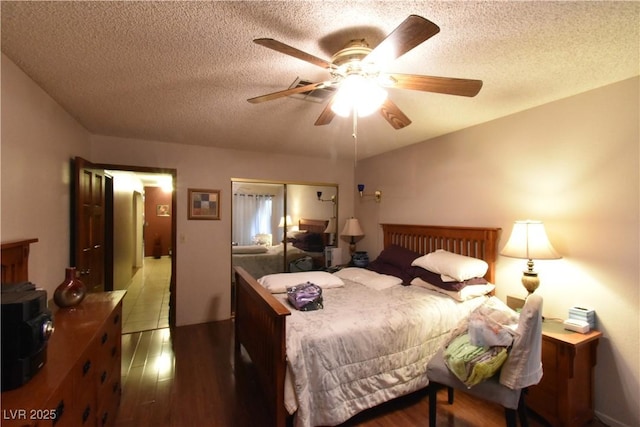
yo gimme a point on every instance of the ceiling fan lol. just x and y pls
(356, 71)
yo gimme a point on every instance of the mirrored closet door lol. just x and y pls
(282, 227)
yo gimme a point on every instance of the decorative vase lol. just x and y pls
(360, 259)
(71, 291)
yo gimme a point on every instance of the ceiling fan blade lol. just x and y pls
(327, 114)
(394, 115)
(292, 51)
(287, 92)
(409, 34)
(446, 85)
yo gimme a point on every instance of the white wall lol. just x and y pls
(125, 250)
(38, 140)
(203, 253)
(573, 164)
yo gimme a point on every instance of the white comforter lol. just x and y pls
(364, 348)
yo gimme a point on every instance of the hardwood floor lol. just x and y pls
(188, 377)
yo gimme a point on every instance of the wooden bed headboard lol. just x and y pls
(477, 242)
(315, 226)
(15, 260)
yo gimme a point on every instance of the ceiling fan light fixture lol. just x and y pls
(360, 94)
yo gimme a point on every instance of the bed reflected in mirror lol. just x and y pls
(281, 227)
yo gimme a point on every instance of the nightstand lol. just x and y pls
(564, 396)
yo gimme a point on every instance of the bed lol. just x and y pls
(259, 260)
(266, 329)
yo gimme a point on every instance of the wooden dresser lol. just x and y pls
(564, 397)
(80, 383)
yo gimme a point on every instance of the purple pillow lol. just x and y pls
(436, 280)
(309, 242)
(395, 261)
(398, 256)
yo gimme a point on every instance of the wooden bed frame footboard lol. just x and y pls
(260, 327)
(260, 319)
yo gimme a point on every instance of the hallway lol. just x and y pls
(146, 304)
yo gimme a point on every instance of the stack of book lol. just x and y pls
(586, 314)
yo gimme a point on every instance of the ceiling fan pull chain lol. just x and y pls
(355, 137)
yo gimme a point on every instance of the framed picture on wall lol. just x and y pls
(162, 210)
(204, 204)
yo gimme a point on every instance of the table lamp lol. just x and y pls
(529, 241)
(352, 229)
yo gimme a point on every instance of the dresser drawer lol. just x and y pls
(61, 404)
(109, 403)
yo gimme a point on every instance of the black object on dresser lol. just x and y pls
(27, 325)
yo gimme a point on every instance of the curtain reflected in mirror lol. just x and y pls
(282, 227)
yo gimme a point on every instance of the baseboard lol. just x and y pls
(611, 422)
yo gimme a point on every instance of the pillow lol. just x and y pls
(249, 249)
(294, 234)
(468, 292)
(436, 279)
(398, 256)
(395, 261)
(457, 267)
(278, 283)
(262, 239)
(368, 278)
(309, 242)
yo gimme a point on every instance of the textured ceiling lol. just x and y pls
(182, 71)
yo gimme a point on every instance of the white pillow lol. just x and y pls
(368, 278)
(279, 282)
(466, 293)
(456, 267)
(263, 239)
(249, 249)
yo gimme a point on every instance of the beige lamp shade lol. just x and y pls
(352, 228)
(288, 221)
(331, 226)
(529, 241)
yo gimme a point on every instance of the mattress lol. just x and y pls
(364, 348)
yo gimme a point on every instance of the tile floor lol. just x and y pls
(146, 304)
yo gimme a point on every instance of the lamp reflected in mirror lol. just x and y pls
(331, 229)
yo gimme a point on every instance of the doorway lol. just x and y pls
(144, 246)
(105, 225)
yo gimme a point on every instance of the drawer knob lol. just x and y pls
(85, 414)
(104, 338)
(86, 367)
(59, 411)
